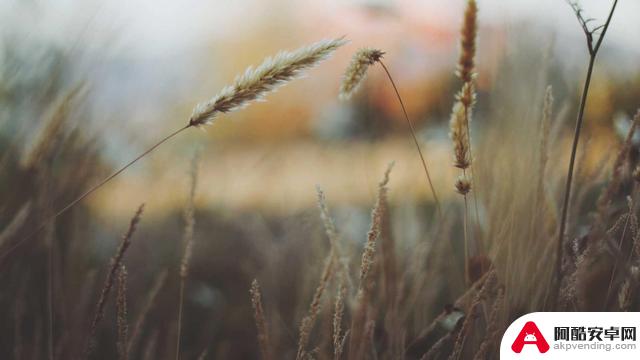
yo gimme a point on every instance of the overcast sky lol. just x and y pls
(152, 27)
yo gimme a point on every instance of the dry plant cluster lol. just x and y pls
(508, 247)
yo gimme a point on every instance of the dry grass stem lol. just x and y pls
(187, 240)
(261, 322)
(338, 314)
(376, 221)
(357, 341)
(593, 52)
(110, 279)
(121, 309)
(308, 321)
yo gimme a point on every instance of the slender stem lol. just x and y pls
(89, 192)
(604, 29)
(467, 278)
(415, 139)
(50, 279)
(567, 192)
(593, 52)
(180, 305)
(479, 245)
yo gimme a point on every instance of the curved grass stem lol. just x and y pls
(593, 52)
(89, 192)
(415, 139)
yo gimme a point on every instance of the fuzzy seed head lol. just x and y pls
(356, 72)
(467, 96)
(369, 251)
(255, 83)
(463, 185)
(259, 317)
(459, 136)
(468, 34)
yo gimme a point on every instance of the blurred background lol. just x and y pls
(145, 64)
(136, 69)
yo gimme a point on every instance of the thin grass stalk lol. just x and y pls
(593, 52)
(467, 276)
(415, 139)
(314, 308)
(338, 337)
(50, 294)
(261, 322)
(121, 309)
(110, 279)
(142, 316)
(466, 72)
(187, 240)
(359, 318)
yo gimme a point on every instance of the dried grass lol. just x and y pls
(261, 322)
(116, 261)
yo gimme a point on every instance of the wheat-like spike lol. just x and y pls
(332, 234)
(459, 136)
(376, 221)
(261, 322)
(314, 308)
(267, 77)
(327, 220)
(108, 283)
(338, 339)
(357, 70)
(121, 309)
(468, 34)
(359, 318)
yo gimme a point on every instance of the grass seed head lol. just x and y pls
(256, 82)
(357, 70)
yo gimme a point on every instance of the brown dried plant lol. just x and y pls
(461, 117)
(357, 340)
(261, 322)
(121, 309)
(187, 240)
(116, 261)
